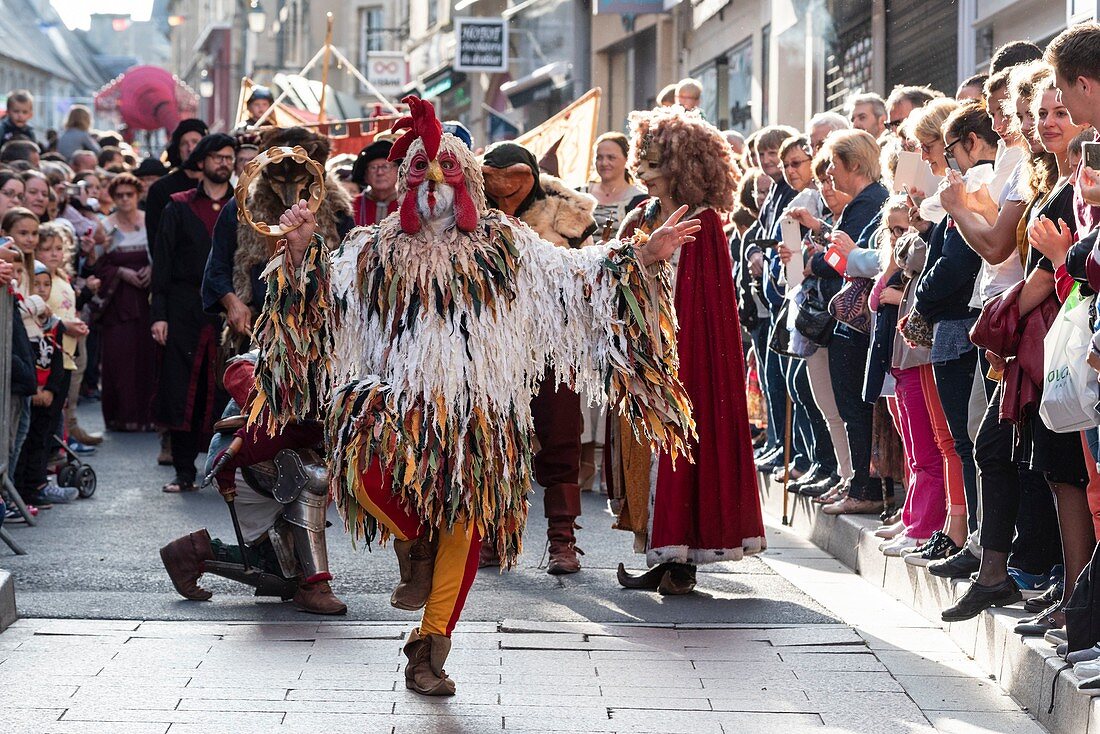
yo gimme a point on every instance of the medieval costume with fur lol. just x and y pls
(238, 255)
(421, 342)
(686, 514)
(563, 217)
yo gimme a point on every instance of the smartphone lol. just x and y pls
(1090, 152)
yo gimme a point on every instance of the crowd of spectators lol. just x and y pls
(917, 289)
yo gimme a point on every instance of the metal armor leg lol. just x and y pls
(282, 540)
(306, 513)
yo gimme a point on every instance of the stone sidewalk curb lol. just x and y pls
(7, 600)
(1026, 668)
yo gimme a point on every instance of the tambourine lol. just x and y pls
(275, 155)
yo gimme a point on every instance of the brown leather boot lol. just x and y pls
(563, 546)
(424, 672)
(183, 560)
(317, 598)
(416, 561)
(679, 579)
(88, 439)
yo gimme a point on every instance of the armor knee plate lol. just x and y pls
(305, 512)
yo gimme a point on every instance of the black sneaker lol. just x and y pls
(1037, 604)
(938, 548)
(958, 566)
(978, 598)
(820, 487)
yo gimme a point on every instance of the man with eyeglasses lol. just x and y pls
(376, 175)
(187, 400)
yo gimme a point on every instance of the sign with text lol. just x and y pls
(388, 71)
(481, 44)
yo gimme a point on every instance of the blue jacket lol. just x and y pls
(947, 283)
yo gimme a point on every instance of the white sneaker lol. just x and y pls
(900, 545)
(1087, 670)
(889, 532)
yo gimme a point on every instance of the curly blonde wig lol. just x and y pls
(690, 153)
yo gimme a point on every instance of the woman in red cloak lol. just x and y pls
(684, 514)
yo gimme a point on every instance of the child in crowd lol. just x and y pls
(31, 477)
(55, 251)
(16, 123)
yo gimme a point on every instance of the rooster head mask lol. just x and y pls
(440, 180)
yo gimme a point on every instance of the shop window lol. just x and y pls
(848, 66)
(739, 87)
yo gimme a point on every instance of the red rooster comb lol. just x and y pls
(420, 123)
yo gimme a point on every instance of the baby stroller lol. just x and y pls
(72, 472)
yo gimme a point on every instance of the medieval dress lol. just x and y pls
(709, 510)
(129, 352)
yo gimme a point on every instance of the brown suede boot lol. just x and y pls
(424, 672)
(317, 598)
(183, 560)
(416, 562)
(563, 546)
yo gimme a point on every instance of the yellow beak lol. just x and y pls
(435, 173)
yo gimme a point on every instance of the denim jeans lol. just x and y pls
(811, 430)
(955, 382)
(847, 364)
(775, 391)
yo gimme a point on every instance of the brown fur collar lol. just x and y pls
(564, 216)
(252, 248)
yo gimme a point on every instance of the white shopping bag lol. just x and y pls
(1070, 389)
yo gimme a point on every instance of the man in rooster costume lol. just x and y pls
(421, 341)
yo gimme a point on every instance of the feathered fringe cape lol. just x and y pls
(423, 352)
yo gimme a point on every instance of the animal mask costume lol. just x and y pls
(433, 158)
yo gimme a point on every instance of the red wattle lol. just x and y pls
(465, 211)
(410, 219)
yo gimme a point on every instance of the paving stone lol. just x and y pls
(952, 694)
(358, 723)
(946, 664)
(222, 718)
(702, 722)
(852, 662)
(965, 722)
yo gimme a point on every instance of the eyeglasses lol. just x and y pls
(947, 148)
(926, 148)
(893, 125)
(898, 231)
(12, 194)
(791, 165)
(380, 168)
(222, 158)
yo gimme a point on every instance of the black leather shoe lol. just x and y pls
(767, 467)
(818, 488)
(978, 598)
(1044, 601)
(958, 566)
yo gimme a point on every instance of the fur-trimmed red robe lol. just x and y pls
(708, 511)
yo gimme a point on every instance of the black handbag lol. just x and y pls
(814, 320)
(779, 341)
